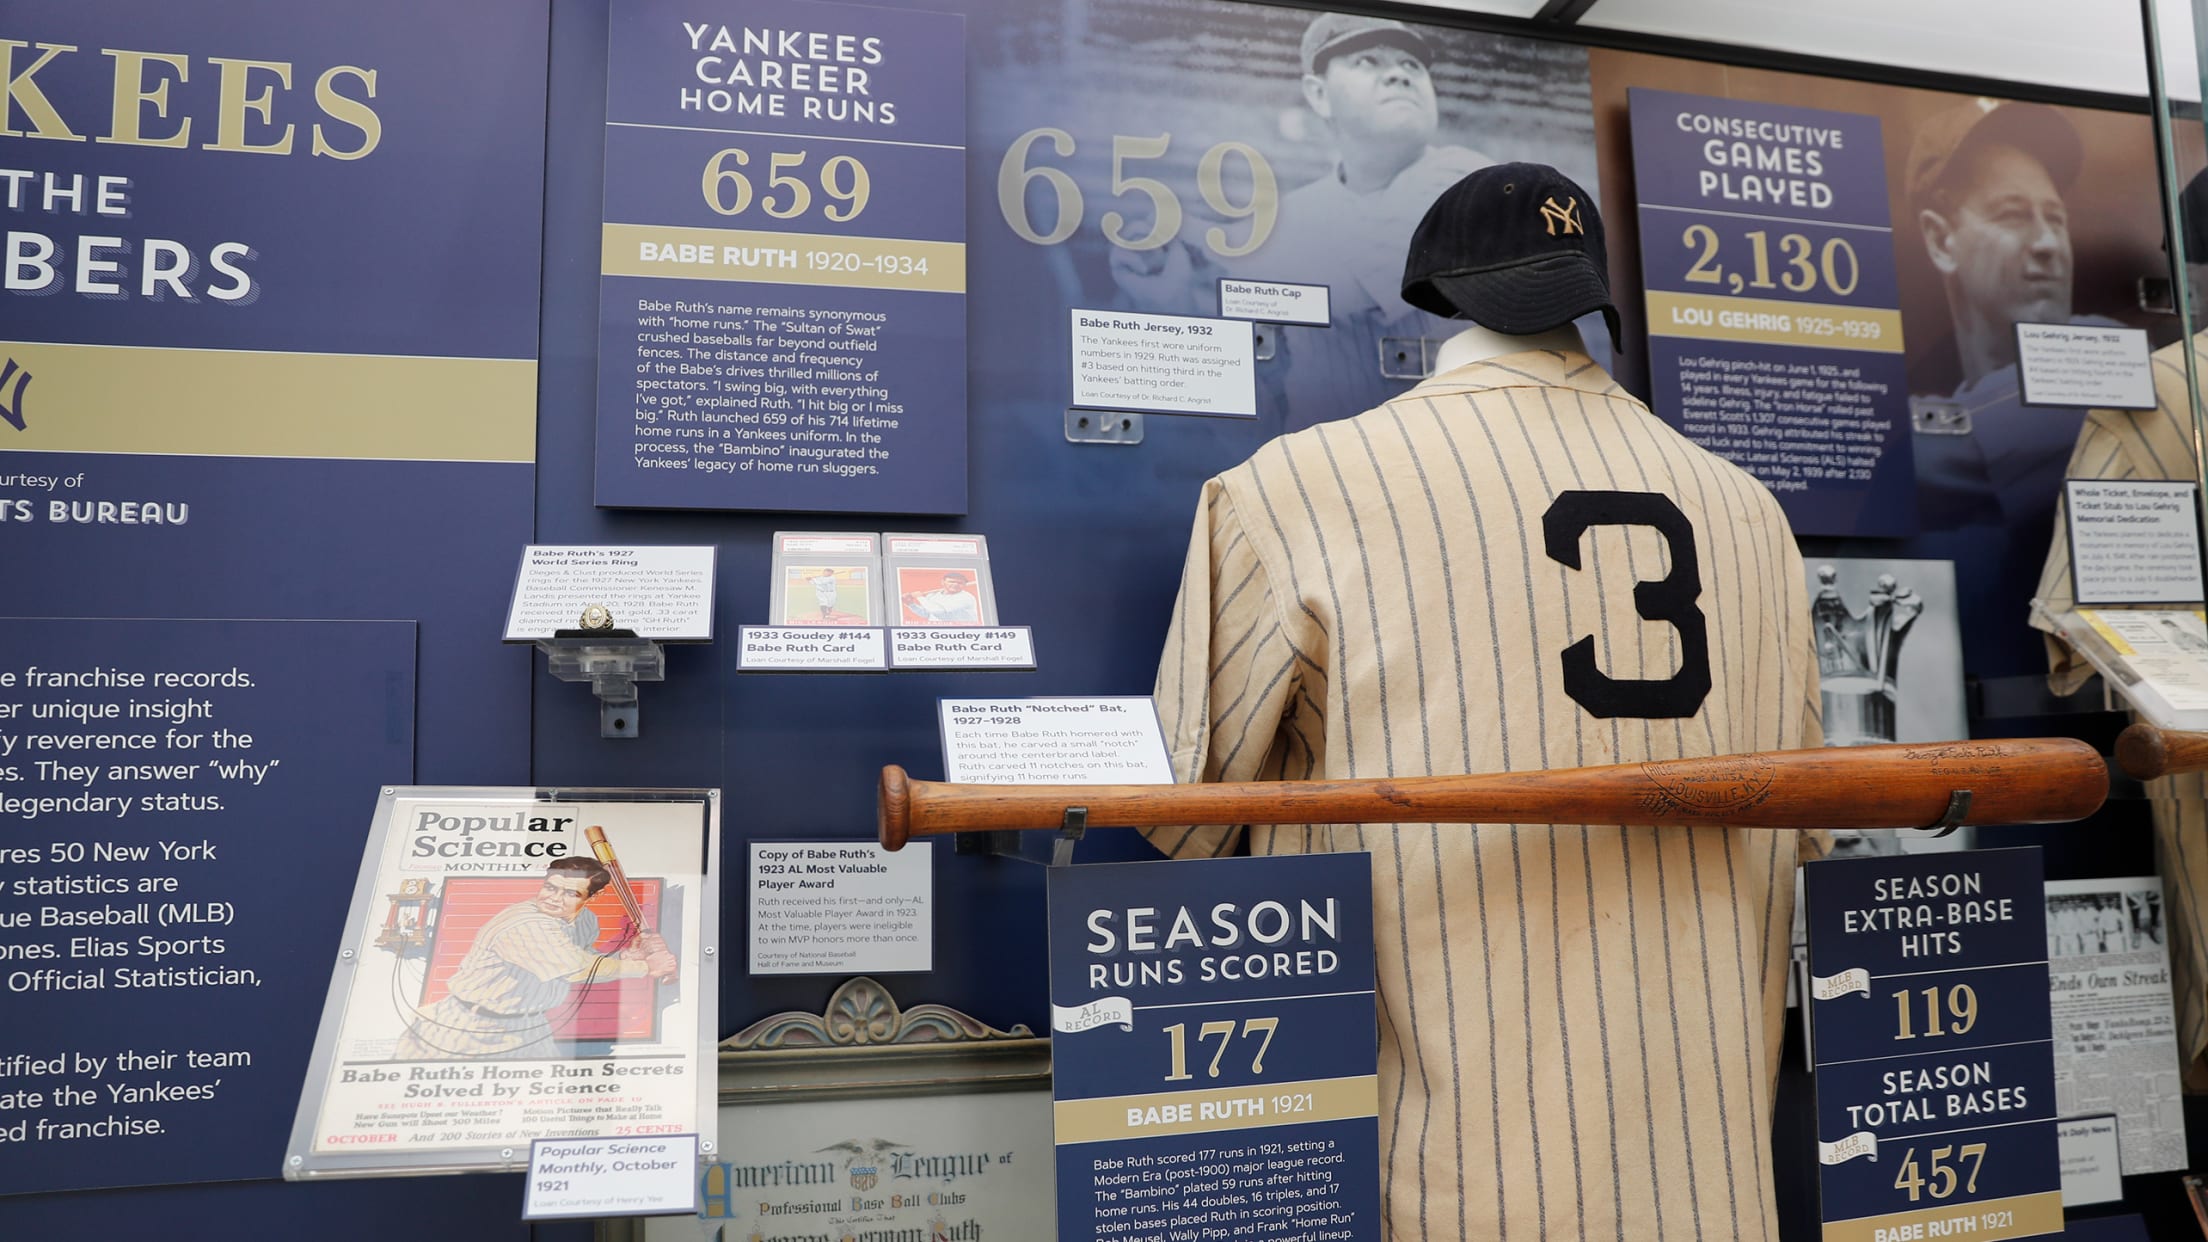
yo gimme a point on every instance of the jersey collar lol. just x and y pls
(1534, 368)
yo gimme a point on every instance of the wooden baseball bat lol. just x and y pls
(604, 850)
(2011, 781)
(2145, 752)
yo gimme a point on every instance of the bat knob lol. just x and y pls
(2142, 752)
(894, 820)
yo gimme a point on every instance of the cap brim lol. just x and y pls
(1536, 295)
(1394, 36)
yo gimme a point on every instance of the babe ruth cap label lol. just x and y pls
(1513, 247)
(1331, 34)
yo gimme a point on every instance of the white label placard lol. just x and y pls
(841, 908)
(2084, 367)
(1166, 364)
(2133, 541)
(1271, 301)
(962, 646)
(649, 1176)
(664, 593)
(814, 648)
(932, 545)
(2090, 1170)
(1054, 741)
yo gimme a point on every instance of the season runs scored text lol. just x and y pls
(1263, 931)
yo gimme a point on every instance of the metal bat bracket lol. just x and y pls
(1005, 842)
(1958, 809)
(1070, 831)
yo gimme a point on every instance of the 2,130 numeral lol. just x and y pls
(1943, 1180)
(1014, 176)
(1800, 275)
(1958, 1014)
(729, 192)
(1177, 1036)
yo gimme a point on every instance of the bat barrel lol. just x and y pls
(2012, 781)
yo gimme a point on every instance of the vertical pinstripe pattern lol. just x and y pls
(1372, 597)
(2149, 444)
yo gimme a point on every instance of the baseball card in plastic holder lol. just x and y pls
(826, 578)
(934, 580)
(518, 963)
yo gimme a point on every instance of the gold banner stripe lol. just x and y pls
(235, 403)
(783, 258)
(1227, 1108)
(2022, 1216)
(1715, 317)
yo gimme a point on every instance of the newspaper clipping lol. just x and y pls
(2115, 1037)
(517, 968)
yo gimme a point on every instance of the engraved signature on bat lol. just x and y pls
(1963, 758)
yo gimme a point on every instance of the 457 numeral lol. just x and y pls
(1177, 1036)
(1943, 1180)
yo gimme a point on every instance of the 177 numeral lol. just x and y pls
(1177, 1037)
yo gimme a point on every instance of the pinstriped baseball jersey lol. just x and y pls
(1579, 1026)
(2149, 444)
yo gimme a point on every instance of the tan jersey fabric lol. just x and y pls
(1579, 1027)
(2149, 444)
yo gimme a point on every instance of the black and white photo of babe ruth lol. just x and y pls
(1366, 83)
(524, 964)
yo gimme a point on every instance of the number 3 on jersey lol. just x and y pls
(1669, 600)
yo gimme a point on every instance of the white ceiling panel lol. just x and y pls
(2079, 44)
(1500, 8)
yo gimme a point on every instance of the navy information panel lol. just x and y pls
(1215, 1061)
(782, 302)
(1935, 1062)
(179, 826)
(1774, 322)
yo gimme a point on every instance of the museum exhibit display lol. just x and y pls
(1149, 620)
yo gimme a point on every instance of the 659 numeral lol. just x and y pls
(1014, 176)
(729, 192)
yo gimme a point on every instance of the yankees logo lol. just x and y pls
(1565, 217)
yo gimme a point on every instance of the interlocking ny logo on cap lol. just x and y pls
(1565, 217)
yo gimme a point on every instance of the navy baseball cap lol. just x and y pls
(1513, 247)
